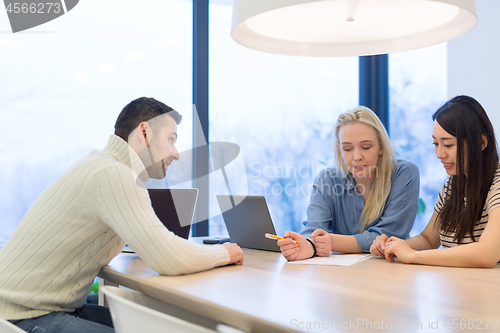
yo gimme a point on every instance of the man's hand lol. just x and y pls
(235, 253)
(323, 242)
(293, 251)
(378, 245)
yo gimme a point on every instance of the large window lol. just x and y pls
(280, 110)
(417, 82)
(63, 84)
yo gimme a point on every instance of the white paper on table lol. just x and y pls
(333, 260)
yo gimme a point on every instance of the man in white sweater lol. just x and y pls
(85, 218)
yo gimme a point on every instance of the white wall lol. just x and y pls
(474, 61)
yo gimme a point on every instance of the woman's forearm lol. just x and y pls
(419, 243)
(468, 255)
(345, 243)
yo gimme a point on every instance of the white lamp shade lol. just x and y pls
(338, 28)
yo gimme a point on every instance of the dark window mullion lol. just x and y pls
(200, 100)
(374, 85)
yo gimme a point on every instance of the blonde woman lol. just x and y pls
(368, 194)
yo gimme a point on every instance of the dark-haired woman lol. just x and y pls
(467, 212)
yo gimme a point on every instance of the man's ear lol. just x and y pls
(485, 142)
(144, 133)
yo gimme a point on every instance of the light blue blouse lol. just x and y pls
(333, 209)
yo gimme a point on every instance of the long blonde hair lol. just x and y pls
(386, 164)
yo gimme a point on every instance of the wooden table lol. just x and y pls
(268, 295)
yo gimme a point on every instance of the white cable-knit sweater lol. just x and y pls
(78, 225)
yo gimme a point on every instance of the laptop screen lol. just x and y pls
(247, 220)
(175, 208)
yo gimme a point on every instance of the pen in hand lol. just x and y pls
(278, 237)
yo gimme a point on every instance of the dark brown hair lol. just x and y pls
(140, 110)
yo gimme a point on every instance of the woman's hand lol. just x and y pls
(399, 248)
(291, 250)
(378, 245)
(323, 242)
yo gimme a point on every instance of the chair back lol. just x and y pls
(8, 327)
(134, 312)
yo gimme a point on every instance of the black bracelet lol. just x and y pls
(314, 246)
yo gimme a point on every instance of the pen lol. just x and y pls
(277, 237)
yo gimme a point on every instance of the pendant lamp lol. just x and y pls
(340, 28)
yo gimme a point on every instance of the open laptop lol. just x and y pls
(247, 219)
(175, 208)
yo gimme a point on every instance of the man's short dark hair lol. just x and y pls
(140, 110)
